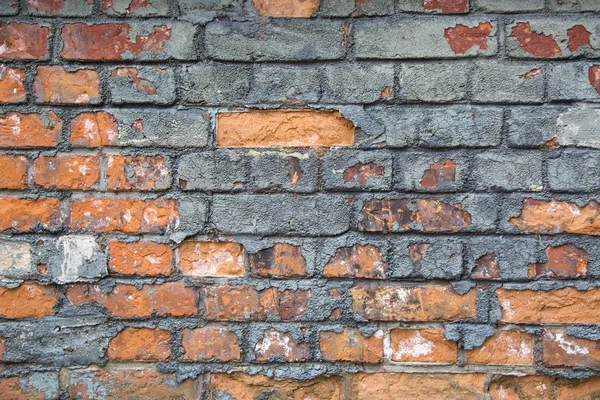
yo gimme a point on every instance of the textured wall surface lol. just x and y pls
(300, 199)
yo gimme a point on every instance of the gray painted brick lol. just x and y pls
(531, 126)
(357, 170)
(9, 7)
(288, 171)
(513, 171)
(410, 169)
(156, 85)
(509, 6)
(357, 83)
(426, 258)
(579, 127)
(434, 82)
(70, 8)
(506, 82)
(575, 5)
(353, 8)
(220, 170)
(574, 171)
(513, 255)
(280, 83)
(154, 8)
(570, 81)
(216, 84)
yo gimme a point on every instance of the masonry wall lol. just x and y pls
(299, 199)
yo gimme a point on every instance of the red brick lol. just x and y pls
(20, 41)
(557, 216)
(211, 258)
(505, 347)
(521, 387)
(287, 8)
(126, 301)
(67, 172)
(439, 174)
(421, 345)
(566, 261)
(137, 173)
(400, 303)
(128, 215)
(360, 173)
(12, 85)
(461, 38)
(282, 260)
(139, 258)
(561, 350)
(29, 300)
(30, 214)
(29, 130)
(15, 172)
(2, 348)
(594, 77)
(54, 84)
(279, 346)
(447, 6)
(578, 37)
(283, 128)
(210, 344)
(536, 44)
(109, 42)
(140, 344)
(486, 267)
(351, 345)
(358, 261)
(94, 129)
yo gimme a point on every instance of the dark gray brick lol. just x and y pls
(508, 82)
(575, 5)
(574, 171)
(509, 6)
(357, 83)
(429, 172)
(216, 84)
(293, 172)
(69, 8)
(570, 81)
(579, 127)
(531, 126)
(280, 83)
(154, 8)
(203, 11)
(142, 85)
(426, 258)
(9, 7)
(434, 82)
(513, 171)
(346, 8)
(220, 170)
(357, 170)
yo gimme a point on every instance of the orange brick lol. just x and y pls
(94, 129)
(505, 347)
(12, 85)
(29, 300)
(139, 258)
(210, 344)
(22, 41)
(277, 346)
(29, 130)
(521, 387)
(140, 344)
(556, 216)
(351, 345)
(2, 348)
(137, 173)
(15, 172)
(282, 260)
(28, 214)
(54, 84)
(357, 261)
(421, 345)
(561, 350)
(211, 258)
(287, 8)
(27, 387)
(66, 172)
(126, 215)
(283, 128)
(588, 389)
(566, 261)
(126, 301)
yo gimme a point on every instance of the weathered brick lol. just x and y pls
(56, 85)
(509, 172)
(67, 172)
(12, 85)
(578, 127)
(80, 259)
(574, 171)
(429, 258)
(574, 5)
(509, 6)
(505, 347)
(60, 8)
(275, 346)
(136, 8)
(518, 387)
(291, 171)
(282, 260)
(358, 261)
(562, 350)
(571, 81)
(435, 6)
(532, 126)
(140, 344)
(220, 170)
(21, 41)
(15, 259)
(420, 38)
(94, 129)
(282, 83)
(283, 8)
(352, 8)
(357, 170)
(139, 258)
(9, 7)
(15, 172)
(281, 214)
(133, 85)
(147, 173)
(32, 386)
(29, 300)
(351, 345)
(434, 82)
(508, 82)
(29, 130)
(30, 214)
(127, 301)
(358, 83)
(502, 258)
(216, 84)
(403, 303)
(210, 344)
(421, 345)
(438, 172)
(211, 258)
(123, 41)
(578, 389)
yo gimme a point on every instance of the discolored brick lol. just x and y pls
(210, 344)
(505, 347)
(139, 258)
(211, 258)
(282, 260)
(358, 261)
(140, 344)
(351, 345)
(56, 85)
(12, 85)
(421, 345)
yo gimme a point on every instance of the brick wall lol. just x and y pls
(300, 199)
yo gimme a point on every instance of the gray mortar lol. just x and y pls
(470, 336)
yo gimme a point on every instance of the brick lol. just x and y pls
(24, 215)
(518, 387)
(21, 41)
(289, 40)
(381, 386)
(61, 8)
(574, 5)
(435, 6)
(29, 130)
(12, 85)
(281, 214)
(140, 344)
(135, 85)
(139, 258)
(566, 305)
(420, 38)
(289, 9)
(509, 6)
(136, 8)
(94, 129)
(80, 259)
(202, 11)
(357, 170)
(505, 347)
(123, 41)
(351, 345)
(291, 171)
(220, 170)
(282, 260)
(439, 172)
(211, 259)
(9, 7)
(246, 303)
(15, 259)
(216, 84)
(434, 82)
(126, 301)
(453, 126)
(66, 172)
(277, 346)
(565, 261)
(508, 82)
(531, 126)
(352, 8)
(561, 350)
(31, 386)
(358, 261)
(571, 81)
(210, 344)
(400, 303)
(87, 384)
(578, 127)
(286, 128)
(578, 389)
(502, 258)
(127, 215)
(241, 386)
(283, 83)
(574, 171)
(426, 258)
(145, 173)
(421, 345)
(509, 172)
(29, 300)
(15, 172)
(358, 83)
(56, 85)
